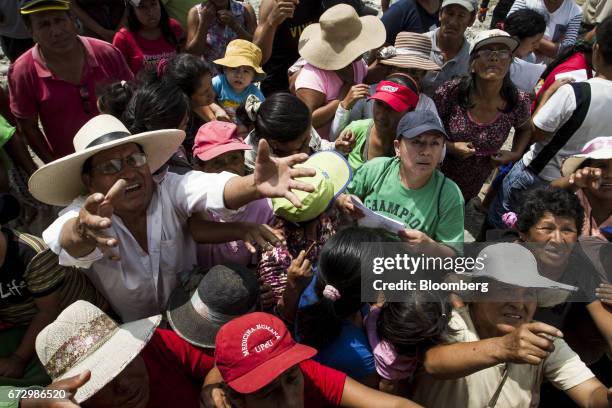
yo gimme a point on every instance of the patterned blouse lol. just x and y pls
(273, 264)
(487, 138)
(219, 35)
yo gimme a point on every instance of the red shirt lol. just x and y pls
(323, 386)
(142, 53)
(176, 370)
(36, 92)
(573, 63)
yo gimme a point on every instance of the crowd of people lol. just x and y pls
(208, 181)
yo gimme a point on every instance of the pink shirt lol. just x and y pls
(36, 92)
(141, 53)
(328, 83)
(209, 255)
(590, 227)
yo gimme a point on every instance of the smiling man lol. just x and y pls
(56, 79)
(128, 232)
(449, 47)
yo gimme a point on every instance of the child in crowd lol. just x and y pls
(114, 98)
(218, 148)
(306, 228)
(241, 69)
(400, 333)
(150, 35)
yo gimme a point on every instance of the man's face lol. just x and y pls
(504, 305)
(454, 20)
(555, 236)
(137, 195)
(53, 31)
(287, 391)
(130, 389)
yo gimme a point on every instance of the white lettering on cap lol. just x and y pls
(389, 88)
(260, 347)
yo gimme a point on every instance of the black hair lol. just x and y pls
(525, 23)
(405, 80)
(156, 106)
(559, 202)
(340, 266)
(164, 22)
(415, 324)
(467, 86)
(113, 98)
(580, 46)
(282, 117)
(603, 33)
(185, 71)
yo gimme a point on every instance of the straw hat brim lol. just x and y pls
(411, 61)
(239, 61)
(508, 41)
(571, 164)
(59, 182)
(113, 356)
(187, 323)
(331, 57)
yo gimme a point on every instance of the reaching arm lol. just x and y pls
(591, 394)
(602, 319)
(91, 24)
(271, 14)
(357, 395)
(198, 23)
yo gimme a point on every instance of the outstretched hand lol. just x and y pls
(276, 177)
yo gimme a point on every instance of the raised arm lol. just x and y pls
(272, 13)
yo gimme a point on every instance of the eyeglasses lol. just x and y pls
(84, 93)
(114, 166)
(487, 54)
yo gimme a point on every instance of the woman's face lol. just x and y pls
(528, 45)
(555, 236)
(148, 13)
(420, 155)
(130, 389)
(503, 305)
(204, 94)
(492, 62)
(298, 145)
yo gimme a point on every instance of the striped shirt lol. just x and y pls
(31, 270)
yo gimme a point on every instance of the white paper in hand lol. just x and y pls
(375, 220)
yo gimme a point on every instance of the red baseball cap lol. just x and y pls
(215, 138)
(253, 350)
(397, 96)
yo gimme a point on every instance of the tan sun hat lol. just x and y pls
(59, 182)
(83, 337)
(411, 50)
(243, 53)
(340, 37)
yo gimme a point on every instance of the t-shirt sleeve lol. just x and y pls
(193, 361)
(571, 34)
(311, 78)
(399, 17)
(557, 110)
(23, 98)
(323, 386)
(564, 368)
(518, 5)
(450, 226)
(44, 274)
(360, 184)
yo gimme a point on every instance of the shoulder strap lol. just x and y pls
(582, 92)
(496, 394)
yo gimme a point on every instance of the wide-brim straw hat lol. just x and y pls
(340, 37)
(59, 182)
(599, 148)
(83, 337)
(513, 264)
(411, 50)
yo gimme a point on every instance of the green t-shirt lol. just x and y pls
(360, 129)
(435, 209)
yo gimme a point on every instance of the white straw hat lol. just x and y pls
(495, 36)
(340, 37)
(598, 148)
(83, 337)
(59, 182)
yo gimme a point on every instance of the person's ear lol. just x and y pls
(396, 147)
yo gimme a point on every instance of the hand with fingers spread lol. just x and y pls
(276, 177)
(262, 235)
(355, 93)
(345, 142)
(299, 272)
(528, 343)
(70, 385)
(586, 177)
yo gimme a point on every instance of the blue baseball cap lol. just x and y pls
(416, 123)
